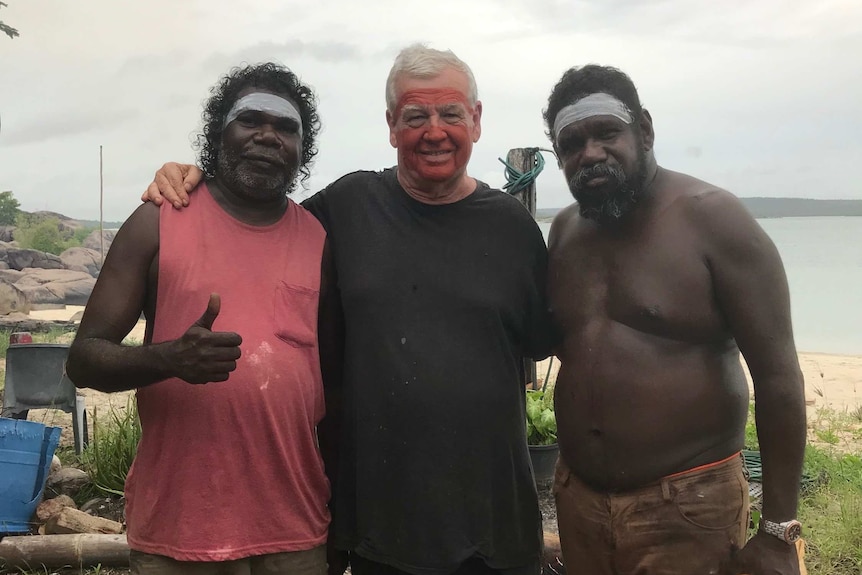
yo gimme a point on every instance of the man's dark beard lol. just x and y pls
(611, 202)
(255, 186)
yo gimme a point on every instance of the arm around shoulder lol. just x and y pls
(173, 182)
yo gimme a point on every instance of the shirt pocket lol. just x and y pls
(295, 314)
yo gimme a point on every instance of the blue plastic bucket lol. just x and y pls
(26, 450)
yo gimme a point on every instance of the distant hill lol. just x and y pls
(796, 207)
(105, 225)
(72, 222)
(773, 208)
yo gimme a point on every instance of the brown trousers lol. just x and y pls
(310, 562)
(681, 525)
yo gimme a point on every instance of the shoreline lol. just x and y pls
(68, 313)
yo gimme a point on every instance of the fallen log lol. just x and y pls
(53, 551)
(70, 520)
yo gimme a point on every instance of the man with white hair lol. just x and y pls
(442, 282)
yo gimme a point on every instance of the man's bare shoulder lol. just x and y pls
(565, 220)
(717, 217)
(566, 214)
(146, 212)
(700, 199)
(140, 231)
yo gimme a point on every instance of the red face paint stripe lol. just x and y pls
(432, 98)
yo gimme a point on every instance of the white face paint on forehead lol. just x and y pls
(267, 103)
(599, 104)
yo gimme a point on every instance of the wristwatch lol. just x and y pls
(787, 531)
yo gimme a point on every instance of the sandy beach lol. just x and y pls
(833, 390)
(833, 384)
(831, 381)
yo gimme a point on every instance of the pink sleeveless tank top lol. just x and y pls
(232, 469)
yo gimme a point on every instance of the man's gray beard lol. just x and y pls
(250, 184)
(614, 205)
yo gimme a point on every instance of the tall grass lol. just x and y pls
(830, 508)
(832, 513)
(4, 341)
(109, 455)
(55, 334)
(4, 345)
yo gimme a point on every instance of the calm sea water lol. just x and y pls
(823, 260)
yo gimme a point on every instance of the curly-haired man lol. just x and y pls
(228, 476)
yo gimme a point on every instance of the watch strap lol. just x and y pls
(780, 530)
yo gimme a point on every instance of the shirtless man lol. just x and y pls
(659, 281)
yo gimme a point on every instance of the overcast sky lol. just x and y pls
(761, 97)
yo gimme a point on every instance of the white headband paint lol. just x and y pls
(263, 102)
(599, 104)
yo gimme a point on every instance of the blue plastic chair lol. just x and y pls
(36, 379)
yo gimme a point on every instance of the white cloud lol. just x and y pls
(766, 92)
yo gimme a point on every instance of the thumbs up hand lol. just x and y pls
(202, 355)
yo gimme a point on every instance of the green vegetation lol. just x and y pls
(4, 345)
(94, 224)
(832, 513)
(541, 420)
(55, 334)
(42, 231)
(47, 234)
(8, 208)
(830, 506)
(109, 455)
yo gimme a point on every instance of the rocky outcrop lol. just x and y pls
(92, 241)
(19, 259)
(12, 298)
(82, 260)
(30, 278)
(46, 286)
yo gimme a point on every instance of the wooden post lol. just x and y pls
(523, 160)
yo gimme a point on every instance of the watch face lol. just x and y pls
(793, 532)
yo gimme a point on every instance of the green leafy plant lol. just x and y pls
(110, 454)
(9, 208)
(541, 420)
(46, 233)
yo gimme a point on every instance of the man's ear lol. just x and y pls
(390, 121)
(477, 121)
(647, 130)
(557, 156)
